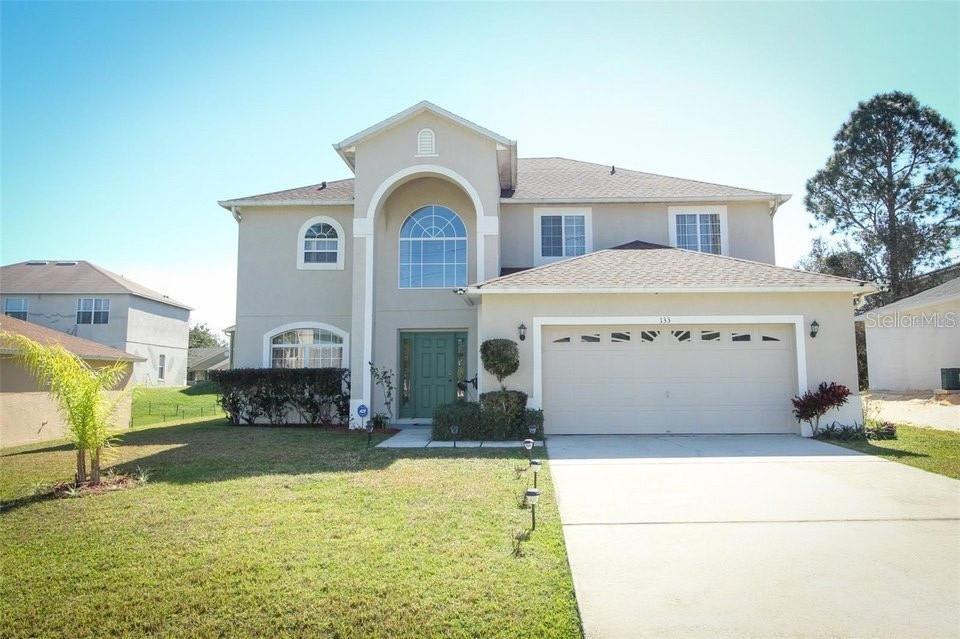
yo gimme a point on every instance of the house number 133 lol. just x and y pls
(665, 320)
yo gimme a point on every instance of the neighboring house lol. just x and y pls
(89, 301)
(201, 360)
(641, 303)
(27, 412)
(911, 341)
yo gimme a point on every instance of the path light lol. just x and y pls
(814, 328)
(369, 429)
(528, 446)
(533, 496)
(535, 465)
(454, 430)
(522, 331)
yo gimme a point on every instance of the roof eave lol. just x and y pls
(760, 197)
(865, 289)
(232, 204)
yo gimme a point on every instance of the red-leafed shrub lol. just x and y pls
(813, 405)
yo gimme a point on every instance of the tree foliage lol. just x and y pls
(500, 358)
(890, 188)
(202, 337)
(79, 392)
(813, 405)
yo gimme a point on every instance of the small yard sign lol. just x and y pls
(362, 410)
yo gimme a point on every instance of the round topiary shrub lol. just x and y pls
(501, 358)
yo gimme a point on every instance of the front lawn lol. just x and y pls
(158, 405)
(258, 531)
(935, 450)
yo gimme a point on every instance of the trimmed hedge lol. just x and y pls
(499, 416)
(318, 396)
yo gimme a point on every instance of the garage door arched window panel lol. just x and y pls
(433, 249)
(308, 346)
(320, 244)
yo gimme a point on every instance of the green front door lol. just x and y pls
(431, 364)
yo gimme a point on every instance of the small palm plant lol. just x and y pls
(79, 391)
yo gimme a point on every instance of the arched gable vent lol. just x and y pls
(426, 142)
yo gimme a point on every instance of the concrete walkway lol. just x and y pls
(755, 536)
(419, 437)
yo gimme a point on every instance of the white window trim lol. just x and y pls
(93, 310)
(341, 246)
(433, 135)
(587, 213)
(466, 239)
(26, 306)
(269, 335)
(674, 211)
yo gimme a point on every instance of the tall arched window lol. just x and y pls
(305, 346)
(320, 244)
(426, 143)
(433, 249)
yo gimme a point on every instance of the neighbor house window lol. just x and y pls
(562, 233)
(307, 348)
(162, 367)
(320, 244)
(93, 310)
(426, 142)
(433, 249)
(702, 229)
(15, 307)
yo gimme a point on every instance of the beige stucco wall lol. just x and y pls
(380, 157)
(272, 291)
(749, 228)
(27, 414)
(154, 329)
(59, 311)
(831, 356)
(907, 351)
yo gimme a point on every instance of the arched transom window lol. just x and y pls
(320, 244)
(433, 249)
(306, 348)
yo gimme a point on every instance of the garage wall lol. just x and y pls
(906, 351)
(831, 356)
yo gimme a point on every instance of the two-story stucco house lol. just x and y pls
(641, 303)
(89, 301)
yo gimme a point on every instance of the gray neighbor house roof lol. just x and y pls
(203, 357)
(549, 180)
(643, 267)
(947, 292)
(73, 277)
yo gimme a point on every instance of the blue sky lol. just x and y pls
(124, 123)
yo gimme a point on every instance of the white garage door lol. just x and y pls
(675, 379)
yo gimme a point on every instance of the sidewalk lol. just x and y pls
(419, 437)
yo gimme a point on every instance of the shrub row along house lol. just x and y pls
(88, 301)
(641, 303)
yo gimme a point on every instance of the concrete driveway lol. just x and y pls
(755, 536)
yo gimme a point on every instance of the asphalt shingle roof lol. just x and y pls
(548, 179)
(73, 276)
(85, 348)
(645, 266)
(199, 355)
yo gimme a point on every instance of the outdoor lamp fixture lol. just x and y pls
(535, 465)
(814, 328)
(522, 331)
(533, 496)
(528, 446)
(454, 430)
(532, 429)
(369, 429)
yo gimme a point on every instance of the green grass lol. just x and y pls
(258, 531)
(152, 405)
(935, 450)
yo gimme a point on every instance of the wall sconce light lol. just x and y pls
(522, 331)
(814, 328)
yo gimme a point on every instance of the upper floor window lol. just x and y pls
(426, 142)
(433, 249)
(15, 307)
(93, 310)
(320, 244)
(162, 367)
(307, 347)
(562, 233)
(702, 229)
